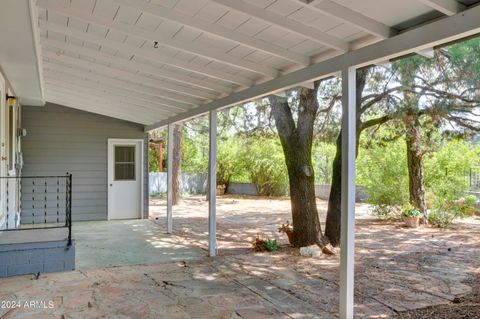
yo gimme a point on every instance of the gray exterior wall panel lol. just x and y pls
(61, 139)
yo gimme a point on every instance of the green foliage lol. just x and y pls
(467, 205)
(153, 159)
(445, 210)
(382, 170)
(230, 161)
(409, 211)
(471, 200)
(271, 245)
(446, 171)
(265, 163)
(158, 195)
(322, 158)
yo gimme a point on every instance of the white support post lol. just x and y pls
(212, 186)
(347, 235)
(170, 179)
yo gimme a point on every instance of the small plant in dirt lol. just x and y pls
(261, 244)
(271, 245)
(287, 229)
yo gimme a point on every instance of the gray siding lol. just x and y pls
(61, 139)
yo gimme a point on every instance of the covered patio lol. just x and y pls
(400, 273)
(158, 63)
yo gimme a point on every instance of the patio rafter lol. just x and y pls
(94, 107)
(285, 23)
(190, 96)
(58, 70)
(216, 30)
(134, 65)
(94, 85)
(192, 48)
(119, 103)
(125, 97)
(436, 33)
(448, 7)
(148, 55)
(349, 16)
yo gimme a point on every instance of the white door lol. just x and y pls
(125, 176)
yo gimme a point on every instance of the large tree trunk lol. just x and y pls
(413, 136)
(296, 139)
(177, 163)
(416, 179)
(332, 225)
(306, 223)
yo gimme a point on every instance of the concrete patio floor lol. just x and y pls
(397, 269)
(128, 242)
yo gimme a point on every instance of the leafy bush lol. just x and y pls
(467, 205)
(265, 164)
(444, 212)
(447, 169)
(230, 161)
(382, 170)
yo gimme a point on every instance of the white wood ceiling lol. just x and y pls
(145, 61)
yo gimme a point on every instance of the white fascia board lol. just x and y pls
(36, 44)
(446, 30)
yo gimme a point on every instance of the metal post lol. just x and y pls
(347, 236)
(170, 179)
(212, 185)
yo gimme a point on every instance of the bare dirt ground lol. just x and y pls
(400, 272)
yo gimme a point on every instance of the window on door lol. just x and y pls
(125, 163)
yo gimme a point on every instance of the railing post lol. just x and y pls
(69, 208)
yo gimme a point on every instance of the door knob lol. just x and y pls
(111, 184)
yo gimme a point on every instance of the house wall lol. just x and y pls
(61, 139)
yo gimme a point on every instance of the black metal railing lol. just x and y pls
(42, 202)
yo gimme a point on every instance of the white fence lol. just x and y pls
(197, 184)
(191, 183)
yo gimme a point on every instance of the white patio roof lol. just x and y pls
(158, 61)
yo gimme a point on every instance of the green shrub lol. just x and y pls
(382, 170)
(271, 245)
(446, 170)
(230, 161)
(444, 212)
(158, 195)
(265, 164)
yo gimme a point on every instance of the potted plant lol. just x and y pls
(287, 229)
(411, 217)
